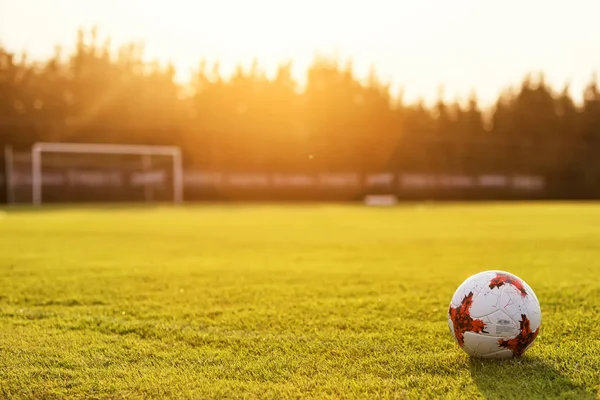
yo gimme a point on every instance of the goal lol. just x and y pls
(67, 172)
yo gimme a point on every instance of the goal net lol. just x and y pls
(71, 173)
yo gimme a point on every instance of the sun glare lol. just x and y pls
(271, 31)
(464, 44)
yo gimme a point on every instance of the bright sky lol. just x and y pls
(418, 44)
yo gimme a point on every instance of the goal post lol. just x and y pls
(145, 151)
(8, 174)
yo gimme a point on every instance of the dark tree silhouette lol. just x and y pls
(251, 122)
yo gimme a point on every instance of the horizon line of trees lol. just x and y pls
(251, 122)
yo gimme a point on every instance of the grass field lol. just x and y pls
(288, 301)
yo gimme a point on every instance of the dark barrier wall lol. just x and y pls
(88, 185)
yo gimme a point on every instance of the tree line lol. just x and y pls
(336, 122)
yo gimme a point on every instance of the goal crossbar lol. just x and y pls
(91, 148)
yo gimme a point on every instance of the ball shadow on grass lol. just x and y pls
(523, 378)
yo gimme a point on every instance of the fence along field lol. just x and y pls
(104, 177)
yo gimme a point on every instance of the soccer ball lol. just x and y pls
(494, 314)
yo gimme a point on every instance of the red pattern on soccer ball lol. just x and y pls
(501, 279)
(462, 320)
(519, 343)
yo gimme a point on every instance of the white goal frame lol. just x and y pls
(89, 148)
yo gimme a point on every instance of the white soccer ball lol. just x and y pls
(494, 314)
